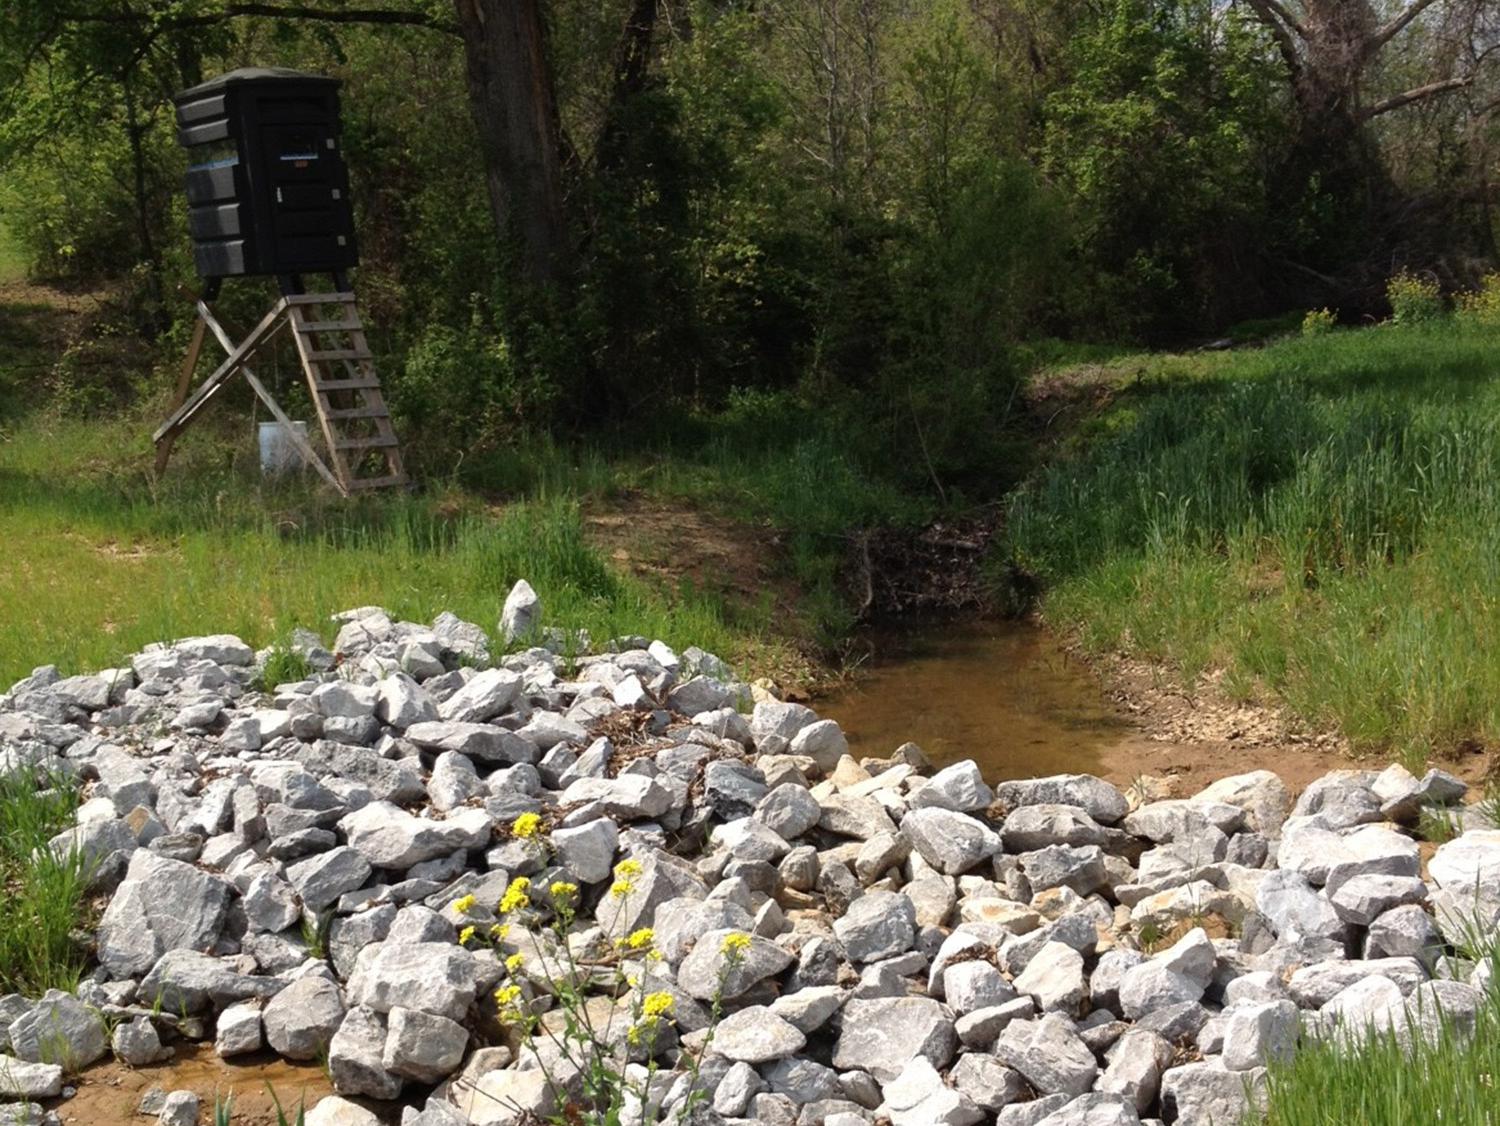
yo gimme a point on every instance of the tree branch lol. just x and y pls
(1385, 34)
(1418, 94)
(1279, 23)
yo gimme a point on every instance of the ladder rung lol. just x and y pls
(307, 328)
(371, 443)
(356, 384)
(360, 483)
(356, 412)
(314, 357)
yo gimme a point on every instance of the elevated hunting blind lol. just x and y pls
(268, 195)
(268, 192)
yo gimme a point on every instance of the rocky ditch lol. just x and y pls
(296, 867)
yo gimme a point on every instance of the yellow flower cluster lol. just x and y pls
(515, 897)
(465, 935)
(526, 826)
(562, 889)
(735, 945)
(464, 905)
(641, 939)
(500, 931)
(655, 1005)
(508, 998)
(626, 873)
(514, 963)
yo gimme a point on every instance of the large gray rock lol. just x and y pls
(480, 742)
(822, 741)
(423, 1046)
(1260, 1033)
(59, 1029)
(919, 1097)
(321, 879)
(951, 842)
(974, 985)
(356, 1063)
(789, 810)
(1054, 979)
(1468, 868)
(521, 616)
(757, 1035)
(161, 905)
(959, 787)
(1103, 802)
(884, 1034)
(485, 696)
(1135, 1066)
(1098, 1108)
(430, 977)
(389, 837)
(587, 851)
(185, 981)
(628, 796)
(1049, 1054)
(1038, 826)
(1208, 1092)
(879, 924)
(707, 965)
(21, 1079)
(300, 1020)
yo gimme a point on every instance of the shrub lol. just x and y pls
(1413, 299)
(1318, 322)
(1481, 306)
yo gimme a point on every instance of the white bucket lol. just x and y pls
(278, 454)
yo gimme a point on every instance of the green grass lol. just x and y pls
(1376, 1081)
(12, 258)
(41, 895)
(101, 565)
(1320, 519)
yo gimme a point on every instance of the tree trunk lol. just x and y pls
(515, 108)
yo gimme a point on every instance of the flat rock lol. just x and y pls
(757, 1035)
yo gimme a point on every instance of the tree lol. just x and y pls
(1350, 63)
(514, 104)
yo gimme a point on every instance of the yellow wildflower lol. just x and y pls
(655, 1005)
(500, 931)
(464, 905)
(561, 889)
(641, 939)
(735, 944)
(626, 872)
(515, 896)
(628, 869)
(465, 935)
(526, 826)
(514, 963)
(507, 998)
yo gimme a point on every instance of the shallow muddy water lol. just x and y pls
(1001, 693)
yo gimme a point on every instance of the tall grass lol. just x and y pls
(1376, 1081)
(42, 893)
(1321, 519)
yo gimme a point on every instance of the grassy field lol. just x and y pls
(1319, 519)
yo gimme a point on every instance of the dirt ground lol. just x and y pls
(111, 1093)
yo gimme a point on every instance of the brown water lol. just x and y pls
(1001, 693)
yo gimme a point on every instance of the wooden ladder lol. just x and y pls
(340, 368)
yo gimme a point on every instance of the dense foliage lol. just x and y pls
(861, 203)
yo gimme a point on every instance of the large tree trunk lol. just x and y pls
(515, 108)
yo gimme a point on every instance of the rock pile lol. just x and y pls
(283, 864)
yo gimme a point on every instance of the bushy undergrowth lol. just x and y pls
(1320, 518)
